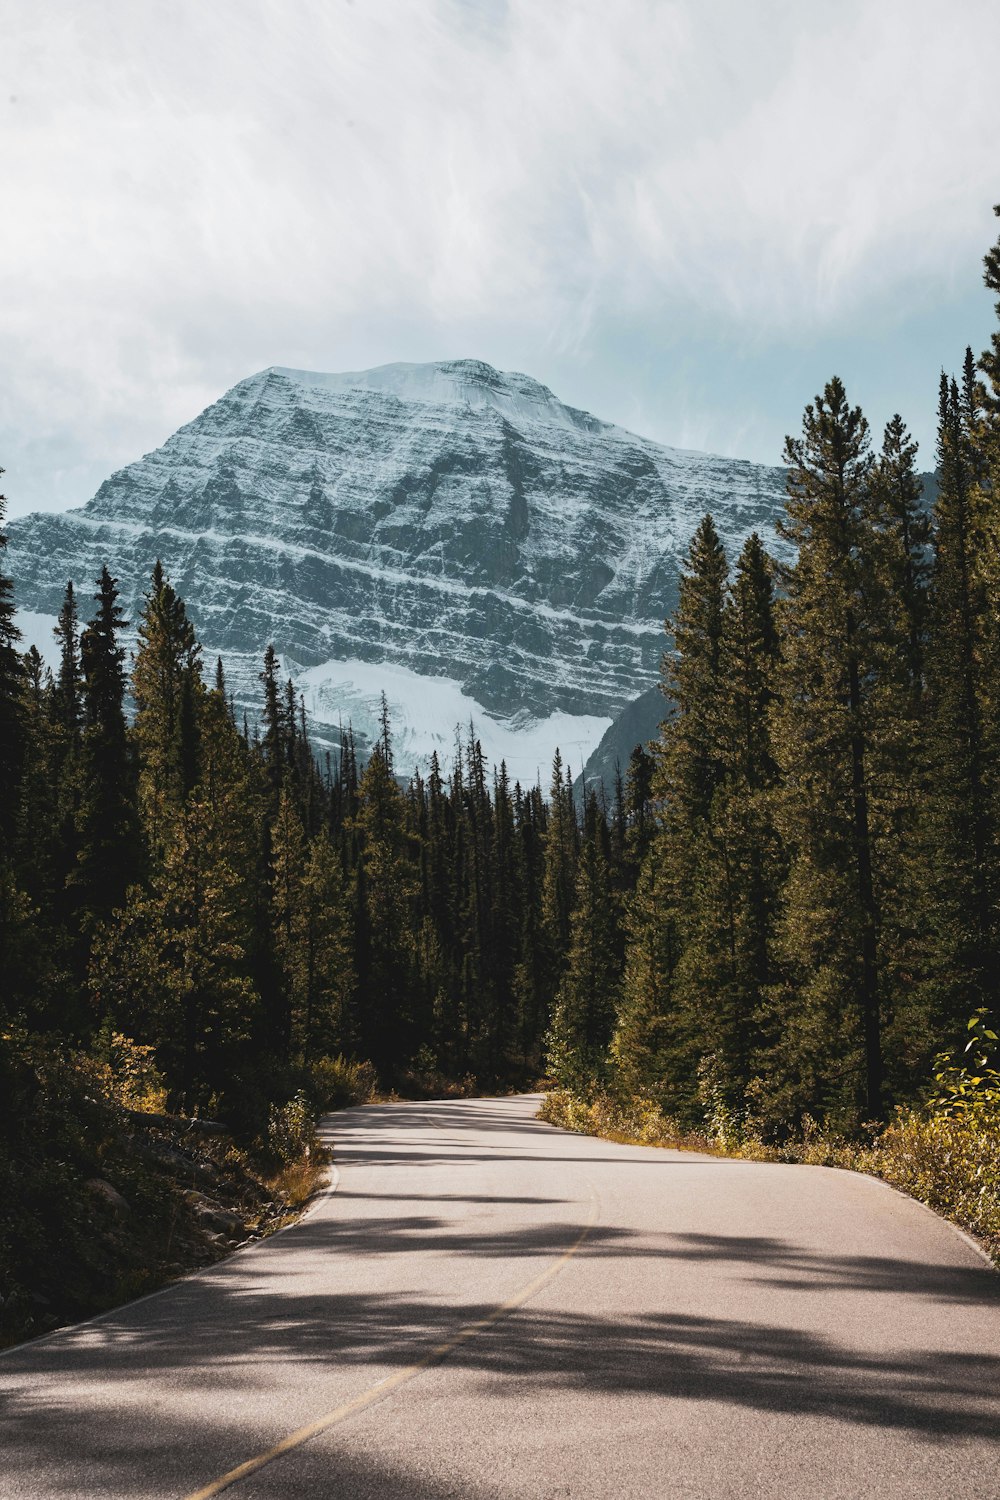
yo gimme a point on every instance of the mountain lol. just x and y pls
(637, 724)
(449, 532)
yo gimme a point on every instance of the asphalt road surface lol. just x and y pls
(489, 1307)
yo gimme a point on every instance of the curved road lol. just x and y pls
(489, 1307)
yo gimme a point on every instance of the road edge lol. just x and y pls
(317, 1197)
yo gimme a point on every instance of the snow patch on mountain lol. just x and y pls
(431, 714)
(36, 630)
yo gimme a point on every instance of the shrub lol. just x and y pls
(128, 1072)
(948, 1155)
(635, 1119)
(973, 1084)
(291, 1131)
(950, 1162)
(62, 1253)
(336, 1082)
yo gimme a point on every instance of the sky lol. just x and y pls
(682, 215)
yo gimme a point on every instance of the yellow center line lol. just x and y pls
(384, 1387)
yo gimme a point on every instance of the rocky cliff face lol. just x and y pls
(445, 521)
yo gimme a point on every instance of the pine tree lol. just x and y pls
(506, 916)
(990, 360)
(638, 815)
(584, 1012)
(961, 822)
(481, 961)
(109, 847)
(657, 1042)
(558, 876)
(66, 698)
(989, 391)
(274, 742)
(11, 683)
(35, 849)
(166, 686)
(288, 855)
(727, 960)
(528, 981)
(170, 970)
(897, 591)
(324, 1019)
(828, 1050)
(387, 891)
(690, 768)
(64, 768)
(34, 983)
(902, 523)
(228, 783)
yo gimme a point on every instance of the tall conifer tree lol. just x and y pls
(657, 1042)
(66, 698)
(166, 686)
(830, 1042)
(728, 959)
(961, 723)
(11, 683)
(109, 840)
(559, 874)
(584, 1011)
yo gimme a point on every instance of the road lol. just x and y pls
(489, 1307)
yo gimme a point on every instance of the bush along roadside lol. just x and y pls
(945, 1154)
(108, 1196)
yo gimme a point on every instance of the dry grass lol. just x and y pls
(296, 1182)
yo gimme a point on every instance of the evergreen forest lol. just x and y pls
(783, 917)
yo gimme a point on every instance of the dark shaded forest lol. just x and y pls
(249, 909)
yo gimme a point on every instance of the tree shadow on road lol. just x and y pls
(724, 1362)
(246, 1317)
(266, 1322)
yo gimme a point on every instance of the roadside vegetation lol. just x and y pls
(944, 1152)
(808, 964)
(107, 1196)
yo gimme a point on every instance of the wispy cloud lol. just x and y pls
(192, 191)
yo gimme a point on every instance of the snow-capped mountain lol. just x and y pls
(447, 532)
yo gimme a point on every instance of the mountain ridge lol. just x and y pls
(448, 520)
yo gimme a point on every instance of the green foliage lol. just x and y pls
(960, 850)
(129, 1073)
(618, 1117)
(817, 905)
(826, 739)
(561, 844)
(167, 688)
(655, 1046)
(584, 1013)
(291, 1130)
(972, 1085)
(63, 1252)
(104, 1195)
(947, 1154)
(108, 838)
(170, 966)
